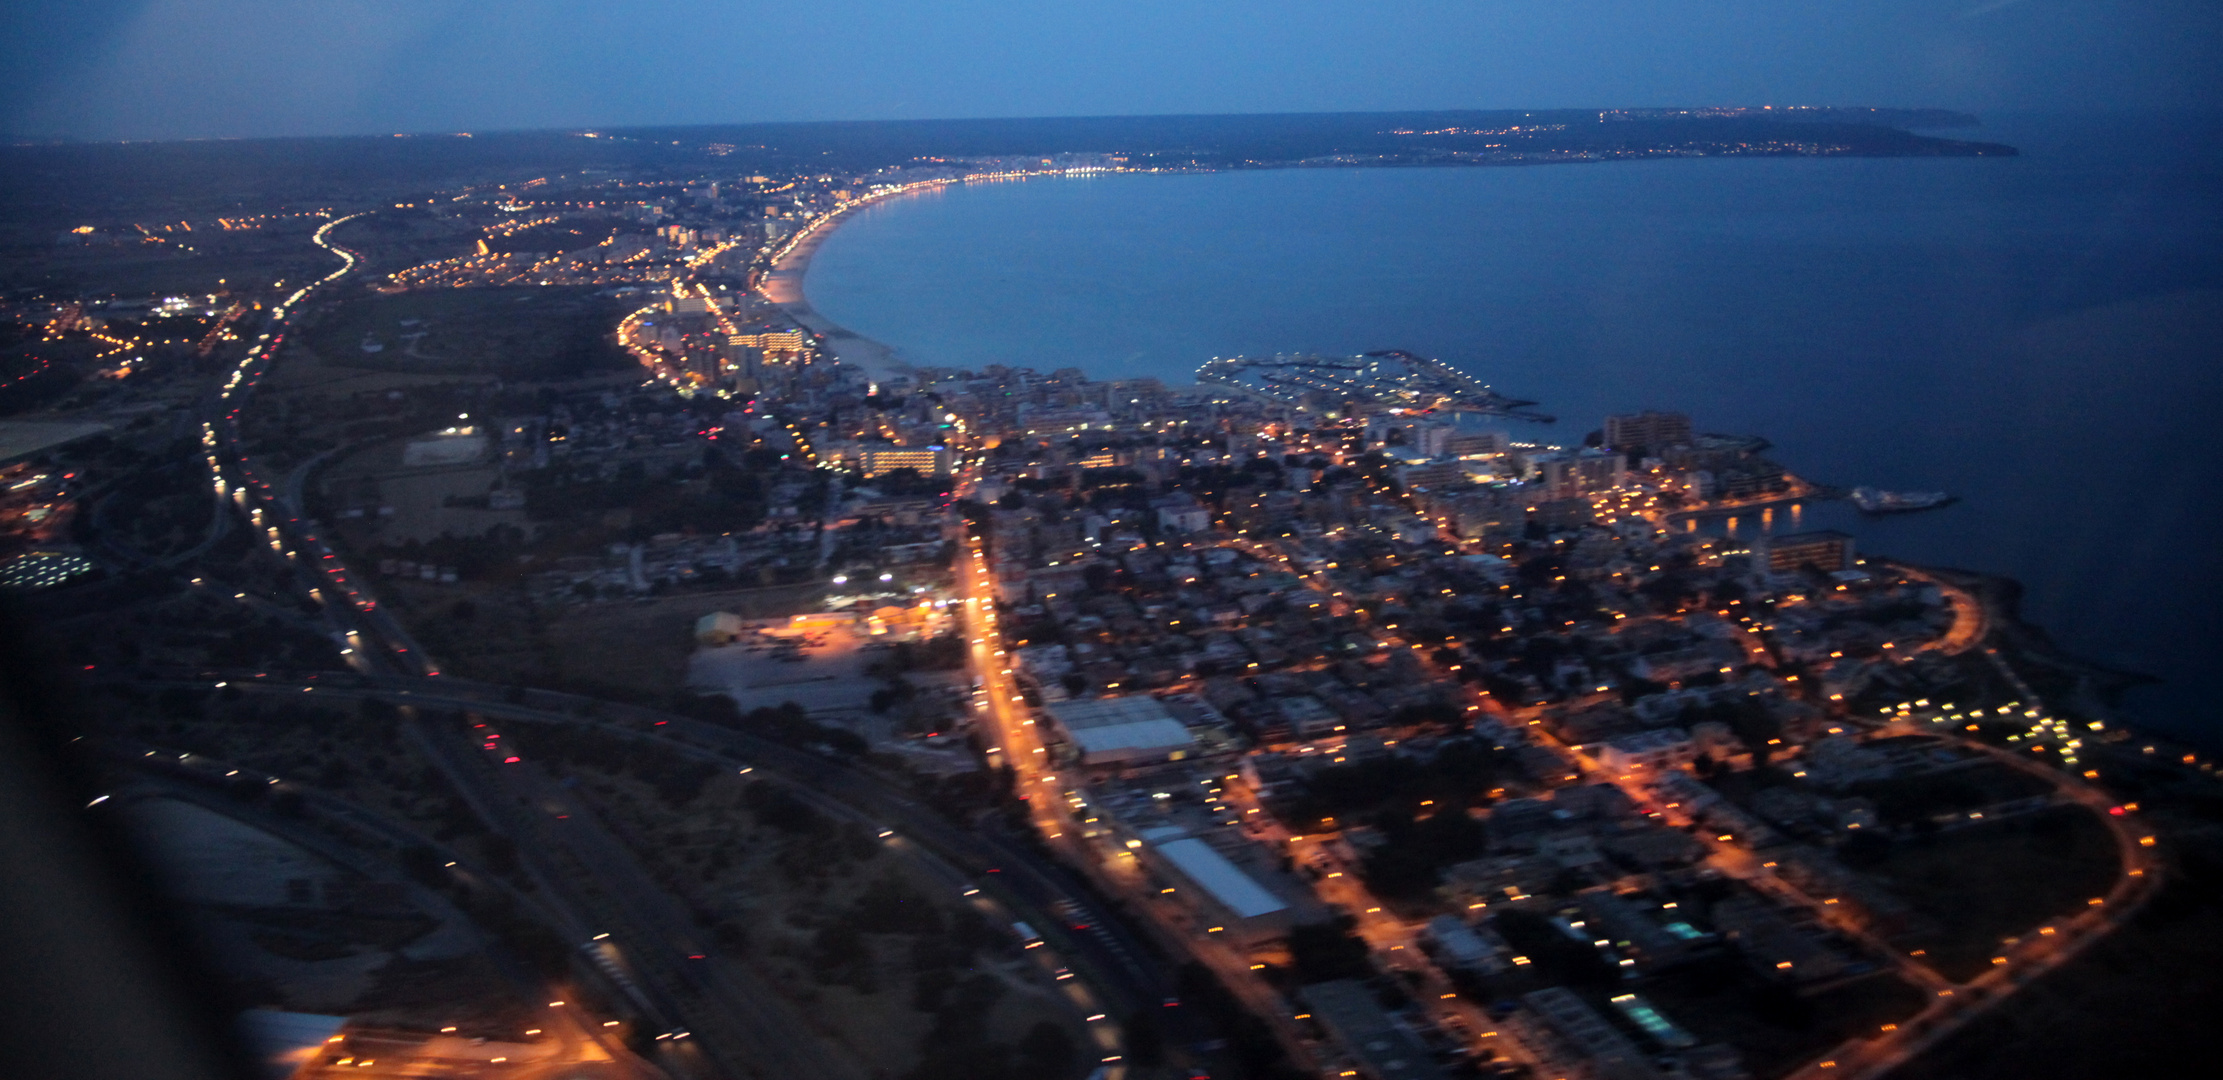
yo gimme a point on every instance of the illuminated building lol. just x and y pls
(1567, 474)
(925, 460)
(1825, 549)
(1431, 474)
(768, 340)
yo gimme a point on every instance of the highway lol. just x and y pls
(744, 1026)
(582, 860)
(570, 853)
(743, 1023)
(566, 1042)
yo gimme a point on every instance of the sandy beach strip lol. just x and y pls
(783, 286)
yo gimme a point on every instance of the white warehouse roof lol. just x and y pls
(1227, 883)
(1121, 728)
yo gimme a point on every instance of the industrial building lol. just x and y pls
(1241, 906)
(1133, 730)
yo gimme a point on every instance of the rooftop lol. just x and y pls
(1121, 726)
(1227, 883)
(1348, 1009)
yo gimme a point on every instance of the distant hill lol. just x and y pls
(48, 184)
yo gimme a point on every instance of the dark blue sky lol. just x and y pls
(196, 68)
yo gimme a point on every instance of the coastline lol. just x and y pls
(2090, 687)
(783, 288)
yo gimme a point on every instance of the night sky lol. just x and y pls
(200, 68)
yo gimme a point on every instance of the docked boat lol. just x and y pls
(1876, 501)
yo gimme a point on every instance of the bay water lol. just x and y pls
(2040, 335)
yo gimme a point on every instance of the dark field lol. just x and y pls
(1719, 1000)
(545, 333)
(1989, 882)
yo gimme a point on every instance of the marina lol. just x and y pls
(1390, 377)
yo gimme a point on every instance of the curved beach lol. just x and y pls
(783, 286)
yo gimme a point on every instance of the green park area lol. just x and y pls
(548, 333)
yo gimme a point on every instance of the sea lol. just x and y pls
(2041, 336)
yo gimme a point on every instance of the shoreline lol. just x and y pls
(783, 288)
(2087, 686)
